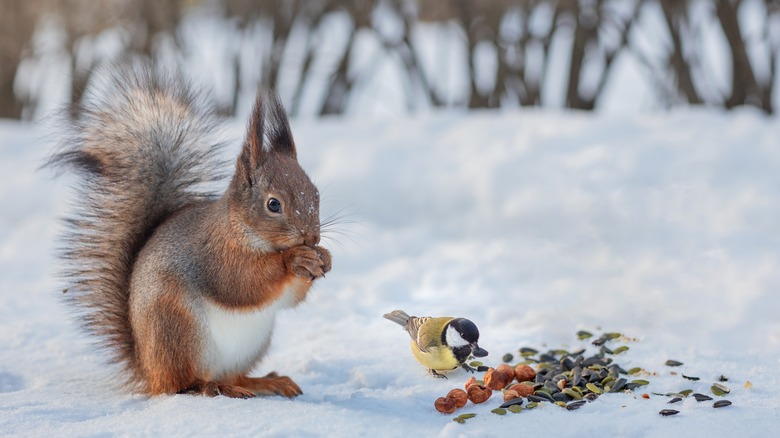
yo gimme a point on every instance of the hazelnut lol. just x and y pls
(445, 405)
(471, 381)
(522, 389)
(525, 373)
(496, 380)
(479, 393)
(510, 394)
(507, 370)
(459, 396)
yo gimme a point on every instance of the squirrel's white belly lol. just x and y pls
(237, 339)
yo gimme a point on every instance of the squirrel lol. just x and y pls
(181, 284)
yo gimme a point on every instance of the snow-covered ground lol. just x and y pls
(533, 224)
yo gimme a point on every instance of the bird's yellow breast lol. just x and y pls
(436, 358)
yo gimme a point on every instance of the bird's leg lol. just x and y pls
(468, 368)
(437, 375)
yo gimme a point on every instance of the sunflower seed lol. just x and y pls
(482, 368)
(701, 397)
(673, 363)
(690, 377)
(674, 400)
(573, 406)
(723, 378)
(507, 358)
(668, 412)
(721, 404)
(515, 401)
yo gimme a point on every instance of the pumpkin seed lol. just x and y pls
(475, 363)
(593, 388)
(515, 409)
(531, 405)
(673, 363)
(721, 404)
(620, 349)
(499, 411)
(634, 370)
(719, 390)
(668, 412)
(582, 334)
(640, 382)
(572, 393)
(527, 351)
(685, 392)
(467, 416)
(458, 420)
(561, 404)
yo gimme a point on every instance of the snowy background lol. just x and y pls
(534, 224)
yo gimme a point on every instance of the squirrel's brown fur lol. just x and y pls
(181, 284)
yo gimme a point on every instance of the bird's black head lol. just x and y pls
(462, 333)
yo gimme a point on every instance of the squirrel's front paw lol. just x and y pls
(308, 262)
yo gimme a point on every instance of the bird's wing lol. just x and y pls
(428, 331)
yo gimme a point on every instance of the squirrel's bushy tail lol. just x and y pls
(142, 145)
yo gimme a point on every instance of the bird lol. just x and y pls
(442, 343)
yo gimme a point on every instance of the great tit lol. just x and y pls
(440, 344)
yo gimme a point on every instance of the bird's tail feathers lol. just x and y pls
(399, 317)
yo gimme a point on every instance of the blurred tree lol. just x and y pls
(17, 25)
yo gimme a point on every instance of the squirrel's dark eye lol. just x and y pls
(274, 205)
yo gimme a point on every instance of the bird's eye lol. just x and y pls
(274, 205)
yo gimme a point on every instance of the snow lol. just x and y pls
(533, 224)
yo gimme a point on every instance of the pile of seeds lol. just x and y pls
(570, 379)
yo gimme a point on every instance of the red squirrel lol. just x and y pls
(182, 285)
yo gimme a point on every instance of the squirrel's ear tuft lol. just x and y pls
(278, 133)
(269, 132)
(252, 153)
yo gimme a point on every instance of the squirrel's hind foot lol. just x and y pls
(213, 389)
(271, 384)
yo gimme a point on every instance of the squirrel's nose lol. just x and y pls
(311, 240)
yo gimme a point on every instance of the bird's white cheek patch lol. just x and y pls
(454, 339)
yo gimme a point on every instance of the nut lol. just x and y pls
(496, 379)
(525, 373)
(445, 405)
(507, 370)
(510, 394)
(459, 396)
(471, 381)
(522, 389)
(479, 393)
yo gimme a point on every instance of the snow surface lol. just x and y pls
(534, 224)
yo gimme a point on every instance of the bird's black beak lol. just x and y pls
(478, 352)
